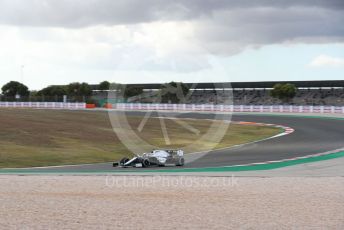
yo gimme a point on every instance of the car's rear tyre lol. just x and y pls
(145, 163)
(181, 162)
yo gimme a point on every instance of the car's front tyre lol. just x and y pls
(145, 163)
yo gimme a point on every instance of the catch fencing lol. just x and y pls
(45, 105)
(231, 108)
(185, 107)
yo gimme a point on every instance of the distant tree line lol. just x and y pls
(173, 92)
(15, 89)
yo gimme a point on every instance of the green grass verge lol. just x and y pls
(31, 138)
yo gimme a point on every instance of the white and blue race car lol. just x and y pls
(154, 158)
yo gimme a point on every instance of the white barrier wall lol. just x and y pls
(47, 105)
(232, 108)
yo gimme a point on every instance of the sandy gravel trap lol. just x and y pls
(172, 202)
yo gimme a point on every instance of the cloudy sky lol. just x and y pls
(44, 42)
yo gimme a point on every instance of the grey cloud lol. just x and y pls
(231, 31)
(221, 26)
(80, 13)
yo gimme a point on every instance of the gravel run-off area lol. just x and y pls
(171, 202)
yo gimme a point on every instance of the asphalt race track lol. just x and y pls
(311, 136)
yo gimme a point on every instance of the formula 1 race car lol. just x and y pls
(154, 158)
